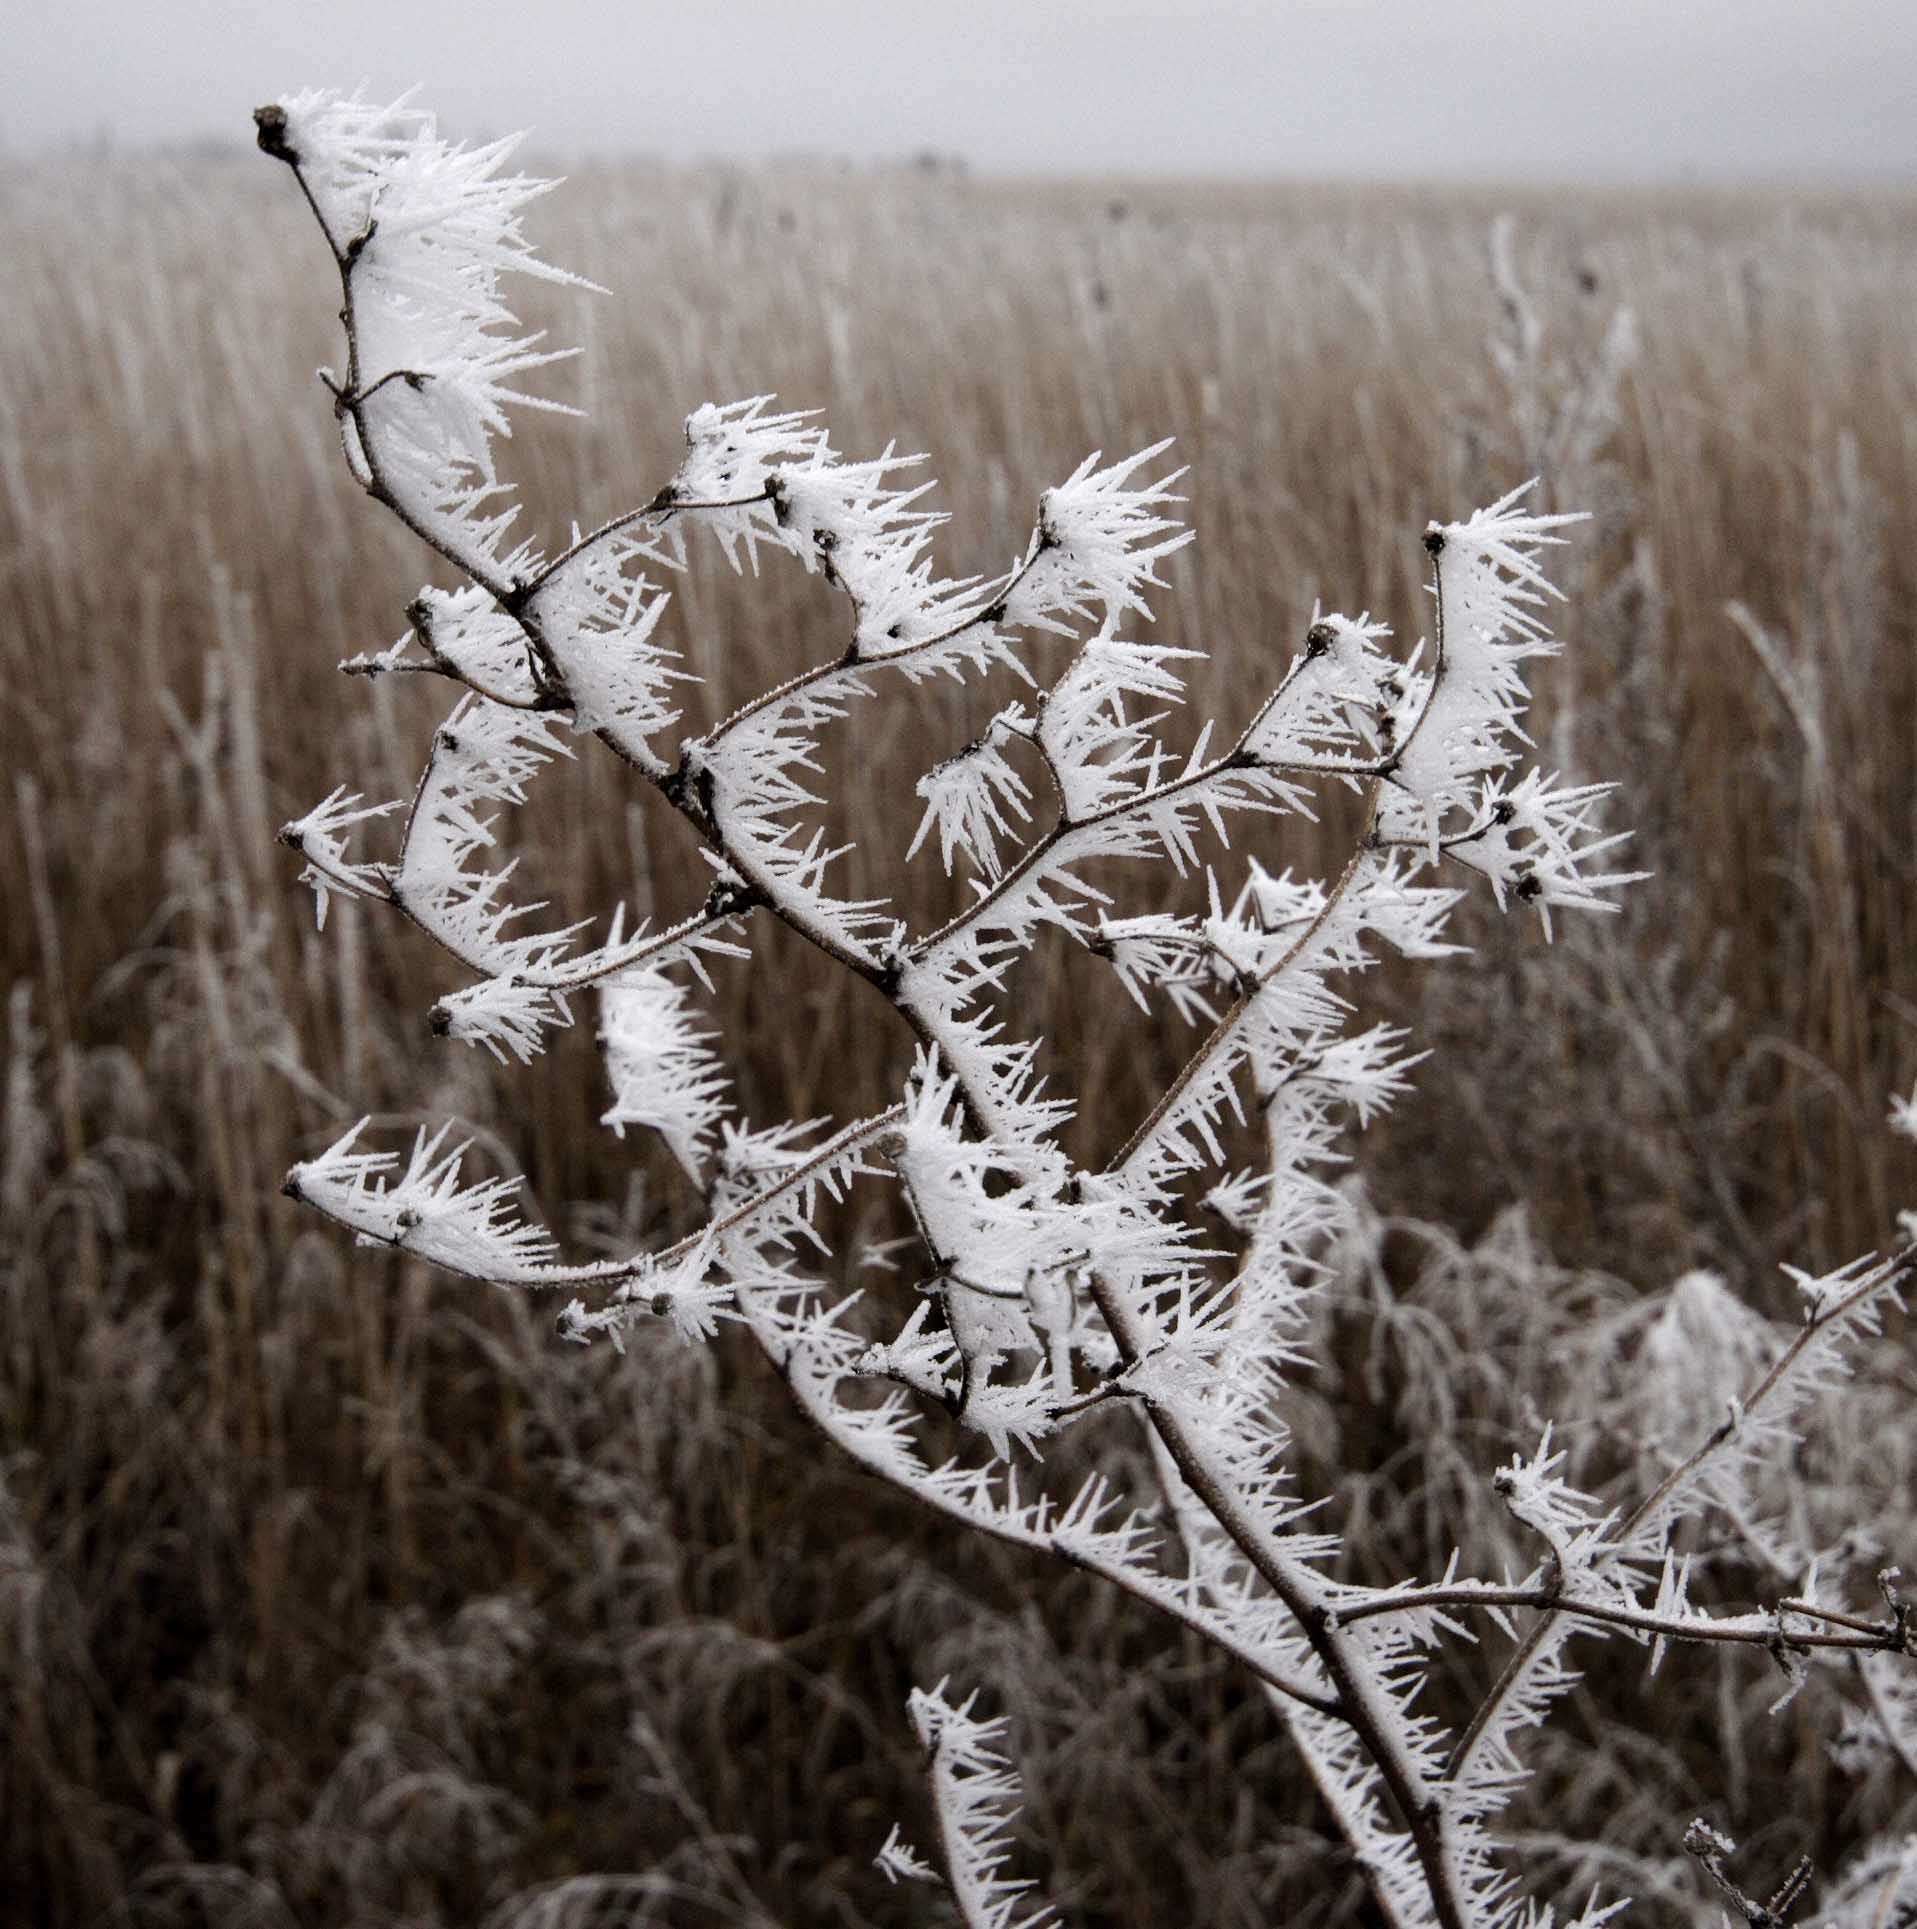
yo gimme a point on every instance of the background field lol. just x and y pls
(333, 1592)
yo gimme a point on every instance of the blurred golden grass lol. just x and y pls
(328, 1589)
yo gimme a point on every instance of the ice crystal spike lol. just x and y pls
(973, 1788)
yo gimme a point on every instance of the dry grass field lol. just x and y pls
(332, 1592)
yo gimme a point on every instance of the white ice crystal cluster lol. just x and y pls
(973, 1787)
(1046, 1293)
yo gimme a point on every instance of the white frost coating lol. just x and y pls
(503, 1015)
(484, 755)
(664, 1073)
(898, 1861)
(1100, 748)
(320, 837)
(597, 620)
(1610, 1566)
(975, 1793)
(1453, 793)
(423, 1209)
(427, 228)
(1330, 711)
(1097, 546)
(1036, 1292)
(972, 800)
(1877, 1890)
(467, 632)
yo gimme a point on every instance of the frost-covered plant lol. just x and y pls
(1047, 1292)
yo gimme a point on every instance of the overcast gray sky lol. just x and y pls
(1630, 89)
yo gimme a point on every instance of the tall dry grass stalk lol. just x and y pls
(315, 1608)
